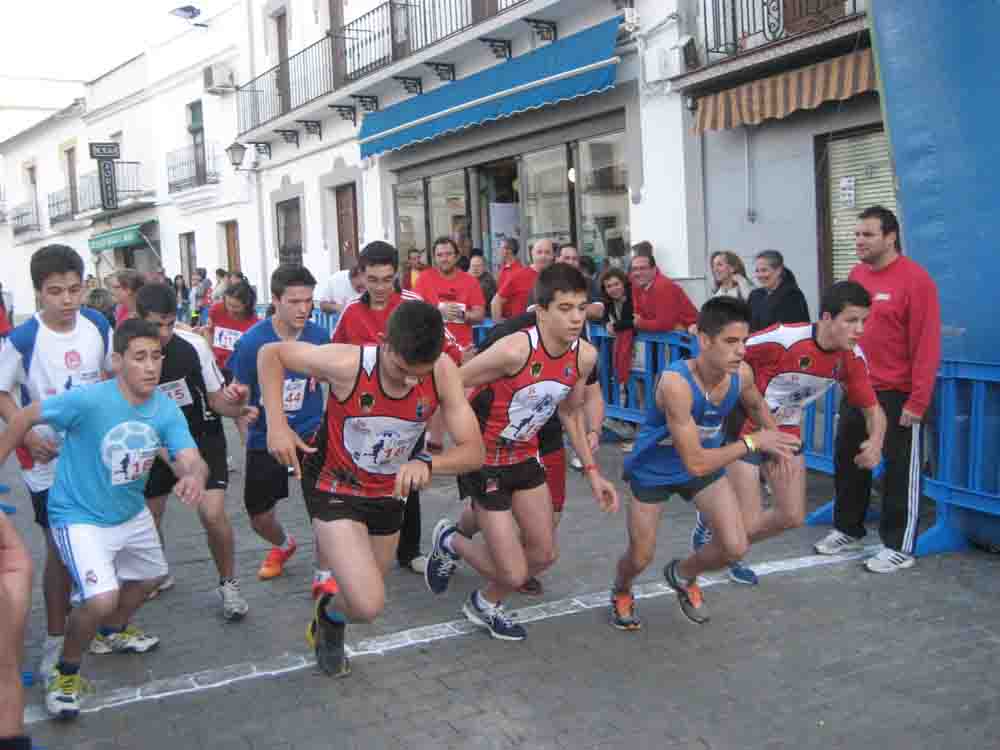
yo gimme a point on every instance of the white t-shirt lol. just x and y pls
(37, 363)
(338, 289)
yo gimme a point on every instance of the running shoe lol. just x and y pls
(274, 564)
(234, 606)
(494, 619)
(623, 614)
(890, 560)
(575, 463)
(689, 594)
(326, 637)
(441, 563)
(700, 534)
(62, 694)
(129, 641)
(320, 588)
(532, 587)
(836, 542)
(740, 573)
(418, 564)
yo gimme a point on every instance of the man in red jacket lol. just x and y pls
(660, 304)
(902, 343)
(515, 291)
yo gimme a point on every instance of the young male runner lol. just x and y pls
(267, 480)
(679, 451)
(192, 380)
(360, 472)
(521, 381)
(105, 534)
(795, 365)
(62, 346)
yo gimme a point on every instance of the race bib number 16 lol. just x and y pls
(131, 465)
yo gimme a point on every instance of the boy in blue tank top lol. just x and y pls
(679, 451)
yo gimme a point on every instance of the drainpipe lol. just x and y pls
(263, 291)
(751, 214)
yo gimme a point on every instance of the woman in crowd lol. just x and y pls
(777, 299)
(183, 298)
(618, 320)
(230, 319)
(124, 288)
(730, 276)
(477, 267)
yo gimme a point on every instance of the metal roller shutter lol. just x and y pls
(861, 175)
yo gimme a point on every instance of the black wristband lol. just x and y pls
(15, 743)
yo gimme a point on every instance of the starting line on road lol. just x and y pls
(217, 678)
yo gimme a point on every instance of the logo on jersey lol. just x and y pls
(91, 578)
(128, 451)
(367, 402)
(422, 405)
(73, 360)
(883, 297)
(536, 369)
(568, 372)
(805, 362)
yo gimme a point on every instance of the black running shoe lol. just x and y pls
(327, 640)
(689, 595)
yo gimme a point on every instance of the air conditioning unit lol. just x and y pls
(219, 79)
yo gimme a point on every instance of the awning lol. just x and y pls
(576, 66)
(120, 237)
(779, 95)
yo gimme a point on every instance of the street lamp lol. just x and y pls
(236, 152)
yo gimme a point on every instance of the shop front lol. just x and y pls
(132, 246)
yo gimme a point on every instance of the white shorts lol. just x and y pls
(99, 557)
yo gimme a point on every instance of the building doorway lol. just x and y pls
(347, 224)
(232, 245)
(499, 207)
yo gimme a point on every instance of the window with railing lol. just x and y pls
(128, 179)
(192, 166)
(60, 206)
(24, 217)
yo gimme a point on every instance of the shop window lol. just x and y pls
(602, 186)
(411, 218)
(545, 194)
(450, 209)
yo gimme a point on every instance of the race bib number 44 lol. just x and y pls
(131, 465)
(294, 394)
(178, 392)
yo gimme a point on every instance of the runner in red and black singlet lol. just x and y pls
(363, 468)
(520, 382)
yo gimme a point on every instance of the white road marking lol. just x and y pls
(217, 678)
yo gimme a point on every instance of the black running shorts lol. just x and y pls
(662, 493)
(382, 515)
(493, 487)
(212, 447)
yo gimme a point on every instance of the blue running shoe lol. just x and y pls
(441, 563)
(494, 619)
(700, 535)
(740, 573)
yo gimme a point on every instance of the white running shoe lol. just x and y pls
(836, 542)
(130, 641)
(234, 606)
(889, 561)
(62, 695)
(418, 564)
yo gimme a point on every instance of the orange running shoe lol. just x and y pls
(623, 614)
(329, 586)
(274, 563)
(689, 594)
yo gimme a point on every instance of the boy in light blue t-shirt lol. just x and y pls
(106, 536)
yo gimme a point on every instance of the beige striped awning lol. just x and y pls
(779, 95)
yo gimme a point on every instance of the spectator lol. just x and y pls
(515, 290)
(128, 283)
(902, 346)
(571, 256)
(102, 301)
(659, 303)
(91, 282)
(509, 264)
(730, 276)
(183, 298)
(455, 293)
(341, 288)
(477, 267)
(414, 266)
(618, 319)
(201, 296)
(221, 281)
(777, 299)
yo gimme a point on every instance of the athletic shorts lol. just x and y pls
(493, 487)
(99, 558)
(212, 447)
(266, 482)
(382, 515)
(40, 502)
(663, 492)
(555, 477)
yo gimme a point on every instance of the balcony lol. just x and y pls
(61, 206)
(192, 166)
(24, 217)
(128, 178)
(385, 35)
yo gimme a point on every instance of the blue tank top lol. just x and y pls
(654, 462)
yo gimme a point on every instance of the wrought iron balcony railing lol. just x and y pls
(61, 206)
(128, 179)
(733, 27)
(24, 217)
(390, 32)
(192, 166)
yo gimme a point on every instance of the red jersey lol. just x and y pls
(513, 409)
(903, 332)
(516, 290)
(662, 307)
(368, 436)
(792, 371)
(460, 288)
(505, 273)
(226, 331)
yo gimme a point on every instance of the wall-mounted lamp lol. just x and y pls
(236, 151)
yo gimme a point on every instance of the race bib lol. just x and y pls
(178, 392)
(380, 445)
(87, 377)
(294, 394)
(788, 415)
(225, 338)
(131, 465)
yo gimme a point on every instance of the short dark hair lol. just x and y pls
(719, 312)
(245, 293)
(156, 298)
(886, 218)
(131, 329)
(588, 265)
(415, 331)
(287, 275)
(644, 249)
(513, 244)
(841, 295)
(773, 258)
(131, 279)
(101, 300)
(53, 259)
(221, 272)
(477, 252)
(446, 241)
(559, 277)
(379, 253)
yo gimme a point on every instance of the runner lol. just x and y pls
(360, 471)
(512, 379)
(679, 451)
(105, 534)
(229, 320)
(795, 365)
(191, 378)
(62, 346)
(266, 480)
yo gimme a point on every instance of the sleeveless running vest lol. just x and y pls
(654, 462)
